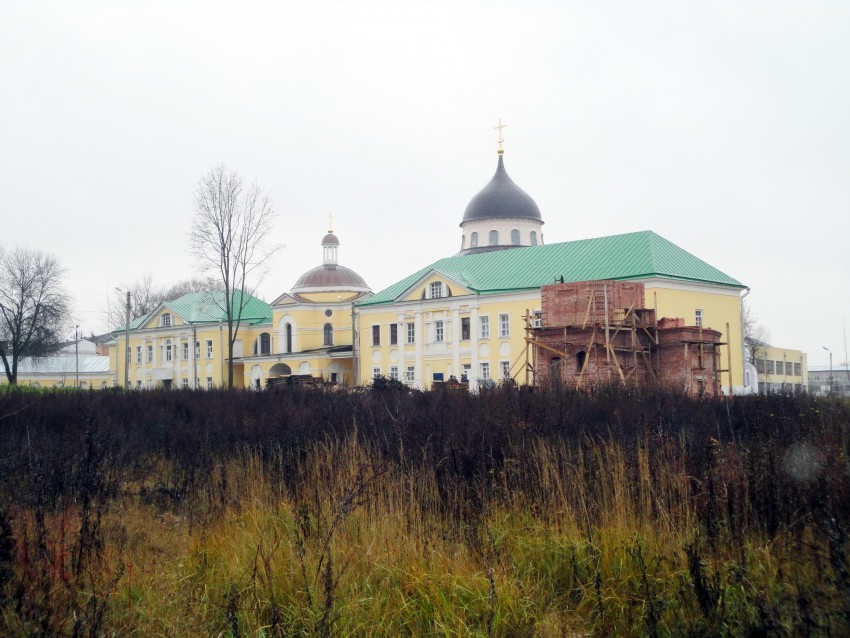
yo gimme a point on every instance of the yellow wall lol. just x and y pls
(718, 310)
(772, 368)
(209, 369)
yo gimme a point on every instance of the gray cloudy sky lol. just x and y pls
(722, 126)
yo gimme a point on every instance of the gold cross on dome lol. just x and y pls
(330, 222)
(501, 140)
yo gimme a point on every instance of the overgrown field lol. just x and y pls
(515, 512)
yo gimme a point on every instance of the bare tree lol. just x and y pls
(756, 336)
(228, 237)
(33, 307)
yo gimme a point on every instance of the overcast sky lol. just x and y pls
(723, 126)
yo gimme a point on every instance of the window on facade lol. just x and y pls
(288, 338)
(376, 372)
(410, 374)
(494, 237)
(168, 349)
(760, 366)
(436, 289)
(504, 326)
(533, 238)
(197, 349)
(484, 327)
(393, 334)
(463, 242)
(394, 373)
(515, 237)
(263, 344)
(138, 384)
(780, 367)
(138, 354)
(376, 335)
(770, 367)
(504, 369)
(581, 357)
(698, 317)
(789, 368)
(538, 318)
(328, 334)
(186, 350)
(798, 369)
(209, 383)
(485, 370)
(411, 333)
(439, 331)
(464, 328)
(473, 240)
(209, 349)
(150, 354)
(165, 320)
(185, 383)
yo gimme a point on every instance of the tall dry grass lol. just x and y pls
(512, 514)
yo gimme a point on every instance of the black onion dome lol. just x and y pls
(329, 276)
(501, 198)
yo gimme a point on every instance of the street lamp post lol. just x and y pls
(126, 341)
(830, 368)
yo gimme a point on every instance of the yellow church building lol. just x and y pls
(462, 316)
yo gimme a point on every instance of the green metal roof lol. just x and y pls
(209, 307)
(630, 256)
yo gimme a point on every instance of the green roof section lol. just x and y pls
(209, 307)
(629, 256)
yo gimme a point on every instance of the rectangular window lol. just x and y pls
(139, 385)
(780, 367)
(411, 373)
(438, 331)
(376, 335)
(798, 371)
(436, 290)
(698, 317)
(770, 367)
(760, 366)
(394, 373)
(209, 382)
(150, 354)
(376, 372)
(464, 328)
(411, 333)
(484, 324)
(393, 334)
(197, 349)
(185, 383)
(209, 349)
(168, 350)
(789, 368)
(166, 320)
(504, 326)
(138, 354)
(538, 319)
(485, 370)
(186, 351)
(504, 369)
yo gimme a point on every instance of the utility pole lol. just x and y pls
(127, 346)
(77, 352)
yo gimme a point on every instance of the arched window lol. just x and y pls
(533, 238)
(581, 357)
(288, 338)
(329, 334)
(515, 237)
(494, 237)
(463, 242)
(167, 349)
(473, 240)
(263, 344)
